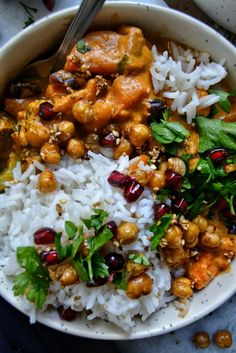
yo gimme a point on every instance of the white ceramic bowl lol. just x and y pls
(222, 12)
(41, 36)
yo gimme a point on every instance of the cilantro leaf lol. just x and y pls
(82, 47)
(96, 220)
(63, 250)
(163, 194)
(34, 281)
(71, 229)
(121, 64)
(158, 229)
(79, 266)
(224, 102)
(139, 259)
(169, 131)
(100, 268)
(215, 133)
(119, 280)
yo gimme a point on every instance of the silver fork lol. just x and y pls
(83, 18)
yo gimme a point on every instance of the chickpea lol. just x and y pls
(127, 233)
(229, 168)
(91, 142)
(228, 244)
(139, 134)
(140, 175)
(138, 286)
(157, 180)
(69, 276)
(174, 237)
(22, 140)
(50, 153)
(177, 165)
(82, 111)
(181, 287)
(37, 134)
(135, 268)
(76, 148)
(201, 223)
(201, 339)
(191, 233)
(223, 338)
(175, 257)
(47, 181)
(124, 147)
(67, 130)
(211, 238)
(84, 248)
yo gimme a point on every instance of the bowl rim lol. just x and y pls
(69, 12)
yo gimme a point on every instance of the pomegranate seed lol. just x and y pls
(232, 229)
(110, 225)
(108, 140)
(46, 111)
(173, 179)
(221, 204)
(66, 314)
(179, 205)
(132, 191)
(160, 210)
(50, 257)
(44, 236)
(118, 179)
(114, 261)
(217, 155)
(157, 106)
(227, 213)
(97, 281)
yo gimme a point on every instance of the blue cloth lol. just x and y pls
(17, 335)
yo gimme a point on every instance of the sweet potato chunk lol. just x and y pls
(205, 267)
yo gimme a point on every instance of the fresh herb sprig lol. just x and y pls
(224, 101)
(158, 229)
(34, 281)
(167, 132)
(82, 47)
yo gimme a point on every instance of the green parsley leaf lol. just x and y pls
(71, 229)
(82, 47)
(169, 131)
(121, 64)
(139, 259)
(100, 268)
(196, 207)
(96, 220)
(34, 281)
(215, 133)
(163, 194)
(119, 280)
(79, 266)
(224, 102)
(63, 250)
(158, 229)
(186, 157)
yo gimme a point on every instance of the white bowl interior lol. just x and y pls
(43, 35)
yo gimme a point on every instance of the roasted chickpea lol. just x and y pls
(82, 111)
(75, 148)
(139, 285)
(66, 129)
(201, 339)
(91, 142)
(50, 153)
(135, 268)
(47, 181)
(181, 287)
(173, 235)
(177, 165)
(37, 134)
(139, 134)
(124, 147)
(157, 180)
(228, 244)
(140, 175)
(175, 257)
(84, 248)
(191, 233)
(65, 273)
(211, 238)
(201, 223)
(22, 140)
(127, 233)
(230, 168)
(223, 338)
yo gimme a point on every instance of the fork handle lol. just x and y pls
(83, 18)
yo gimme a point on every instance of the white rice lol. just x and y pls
(80, 185)
(180, 75)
